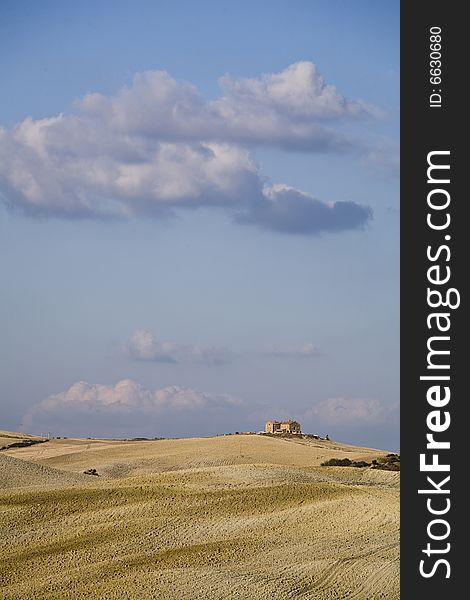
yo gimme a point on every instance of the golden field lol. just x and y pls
(241, 516)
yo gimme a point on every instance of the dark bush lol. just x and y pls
(91, 472)
(344, 462)
(23, 444)
(390, 462)
(337, 462)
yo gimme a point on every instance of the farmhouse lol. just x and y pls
(282, 427)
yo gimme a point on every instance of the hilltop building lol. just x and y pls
(282, 427)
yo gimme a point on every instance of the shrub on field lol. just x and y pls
(344, 462)
(337, 462)
(391, 462)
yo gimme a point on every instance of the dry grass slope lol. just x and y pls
(246, 517)
(11, 437)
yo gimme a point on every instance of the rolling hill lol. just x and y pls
(241, 516)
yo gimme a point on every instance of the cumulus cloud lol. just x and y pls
(124, 403)
(127, 409)
(306, 350)
(157, 146)
(287, 210)
(143, 345)
(349, 412)
(289, 108)
(65, 167)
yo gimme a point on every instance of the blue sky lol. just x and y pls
(226, 248)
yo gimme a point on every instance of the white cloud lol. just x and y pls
(127, 408)
(348, 412)
(143, 345)
(287, 108)
(158, 146)
(125, 399)
(65, 167)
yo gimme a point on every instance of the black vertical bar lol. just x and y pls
(433, 119)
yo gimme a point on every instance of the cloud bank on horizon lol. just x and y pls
(100, 409)
(127, 408)
(158, 146)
